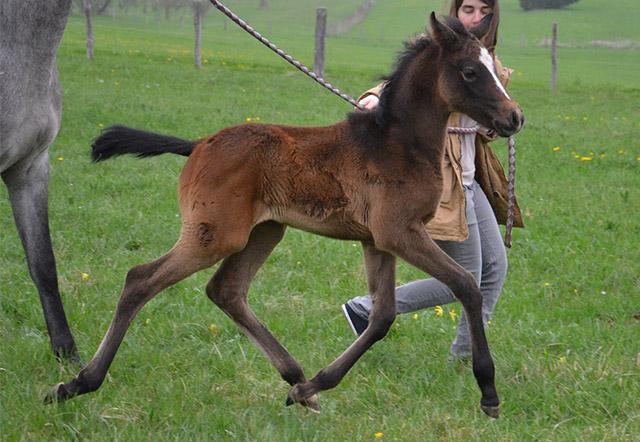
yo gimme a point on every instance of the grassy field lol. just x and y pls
(565, 336)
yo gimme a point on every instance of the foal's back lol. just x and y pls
(305, 177)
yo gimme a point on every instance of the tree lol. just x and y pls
(98, 6)
(528, 5)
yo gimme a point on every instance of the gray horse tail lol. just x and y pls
(120, 140)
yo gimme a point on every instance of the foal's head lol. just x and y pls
(467, 79)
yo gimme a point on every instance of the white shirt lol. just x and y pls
(467, 151)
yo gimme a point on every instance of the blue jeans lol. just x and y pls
(483, 254)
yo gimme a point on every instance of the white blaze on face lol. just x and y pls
(487, 61)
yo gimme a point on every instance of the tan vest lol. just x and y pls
(450, 221)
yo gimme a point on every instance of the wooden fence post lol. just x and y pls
(554, 58)
(321, 30)
(89, 25)
(197, 25)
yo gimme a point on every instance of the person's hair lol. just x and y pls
(490, 39)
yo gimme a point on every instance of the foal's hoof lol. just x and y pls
(490, 411)
(57, 394)
(296, 396)
(311, 403)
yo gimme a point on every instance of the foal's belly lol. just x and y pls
(335, 225)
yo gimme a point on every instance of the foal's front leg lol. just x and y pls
(415, 246)
(380, 268)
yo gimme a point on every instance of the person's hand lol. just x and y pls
(369, 102)
(489, 134)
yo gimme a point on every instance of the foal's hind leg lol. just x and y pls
(142, 284)
(381, 280)
(28, 190)
(228, 290)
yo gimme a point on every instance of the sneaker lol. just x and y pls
(357, 323)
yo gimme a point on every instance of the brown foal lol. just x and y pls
(375, 177)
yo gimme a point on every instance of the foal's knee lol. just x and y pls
(467, 291)
(380, 324)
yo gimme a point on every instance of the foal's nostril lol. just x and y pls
(517, 119)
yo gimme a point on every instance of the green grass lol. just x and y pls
(565, 334)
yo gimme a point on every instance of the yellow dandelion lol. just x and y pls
(556, 149)
(547, 284)
(414, 317)
(206, 61)
(439, 311)
(583, 158)
(60, 158)
(147, 321)
(378, 435)
(85, 276)
(213, 329)
(453, 314)
(100, 125)
(247, 119)
(620, 151)
(488, 323)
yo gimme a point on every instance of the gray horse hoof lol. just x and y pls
(493, 412)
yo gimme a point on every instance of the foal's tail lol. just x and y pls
(120, 140)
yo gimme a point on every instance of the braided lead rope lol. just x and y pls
(457, 130)
(463, 130)
(244, 25)
(511, 191)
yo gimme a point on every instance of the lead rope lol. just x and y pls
(458, 130)
(244, 25)
(511, 191)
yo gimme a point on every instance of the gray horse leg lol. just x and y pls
(27, 183)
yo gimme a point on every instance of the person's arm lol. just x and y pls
(504, 73)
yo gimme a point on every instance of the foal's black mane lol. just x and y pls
(369, 126)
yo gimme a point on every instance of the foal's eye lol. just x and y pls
(468, 74)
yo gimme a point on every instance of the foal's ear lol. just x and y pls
(443, 34)
(482, 28)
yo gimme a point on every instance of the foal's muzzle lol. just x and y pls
(511, 124)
